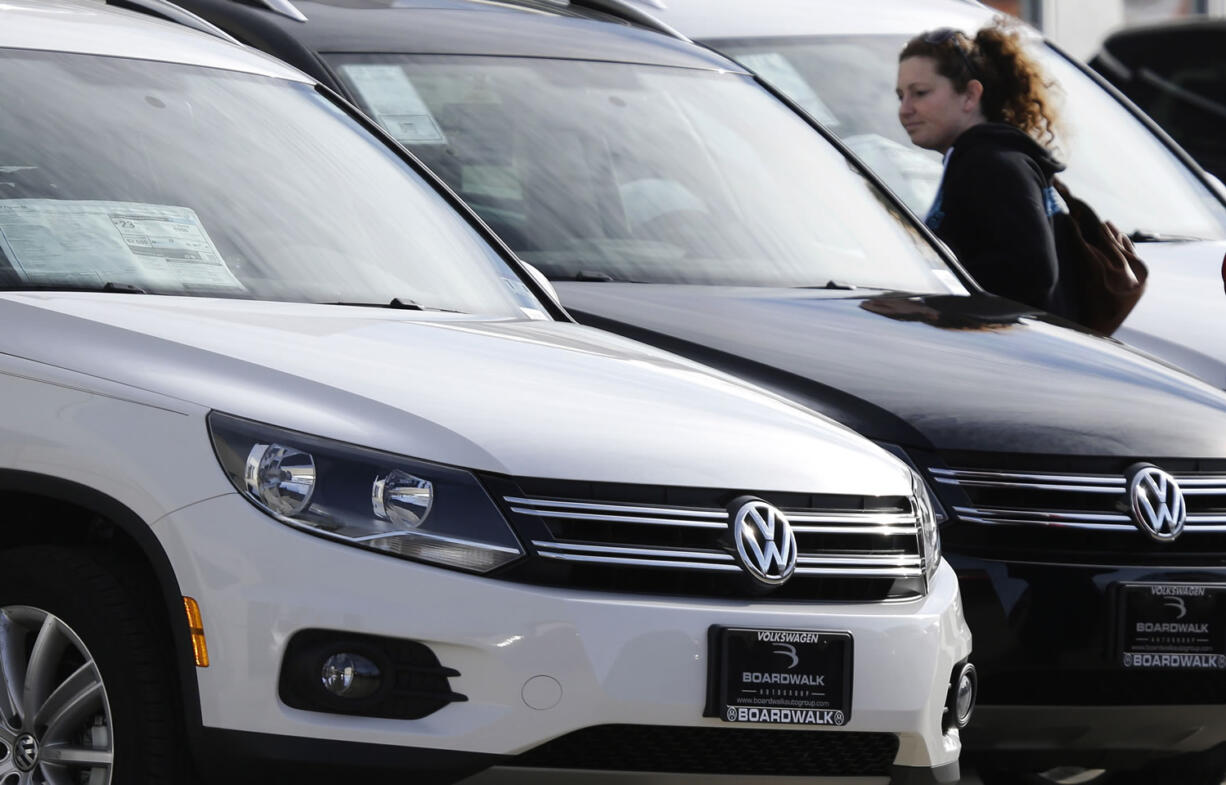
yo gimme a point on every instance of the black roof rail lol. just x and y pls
(622, 9)
(164, 9)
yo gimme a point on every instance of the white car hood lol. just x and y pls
(540, 399)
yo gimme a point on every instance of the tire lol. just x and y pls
(85, 694)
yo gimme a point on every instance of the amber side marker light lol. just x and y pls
(195, 626)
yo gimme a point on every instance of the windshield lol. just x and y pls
(605, 171)
(170, 179)
(1114, 162)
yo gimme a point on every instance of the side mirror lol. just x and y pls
(539, 278)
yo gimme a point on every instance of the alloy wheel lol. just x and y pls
(55, 719)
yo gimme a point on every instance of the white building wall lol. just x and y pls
(1079, 26)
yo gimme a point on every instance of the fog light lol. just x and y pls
(281, 478)
(348, 675)
(964, 696)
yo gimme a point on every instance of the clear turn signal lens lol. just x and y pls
(930, 535)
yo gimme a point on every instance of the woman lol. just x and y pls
(983, 104)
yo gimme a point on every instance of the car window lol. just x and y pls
(175, 179)
(637, 173)
(1114, 162)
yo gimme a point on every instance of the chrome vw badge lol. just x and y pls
(1157, 502)
(765, 542)
(25, 752)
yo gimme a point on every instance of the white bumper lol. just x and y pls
(617, 658)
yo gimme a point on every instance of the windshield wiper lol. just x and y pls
(1146, 236)
(834, 285)
(593, 276)
(401, 303)
(123, 288)
(109, 286)
(397, 303)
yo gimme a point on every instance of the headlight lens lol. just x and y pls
(364, 497)
(281, 477)
(930, 536)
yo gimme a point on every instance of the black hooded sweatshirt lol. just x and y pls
(994, 210)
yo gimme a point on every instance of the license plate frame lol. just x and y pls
(1170, 626)
(780, 676)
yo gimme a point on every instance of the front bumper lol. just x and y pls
(616, 659)
(1041, 737)
(1052, 688)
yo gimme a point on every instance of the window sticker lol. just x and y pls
(775, 68)
(395, 103)
(92, 243)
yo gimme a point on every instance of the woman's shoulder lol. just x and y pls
(999, 146)
(992, 160)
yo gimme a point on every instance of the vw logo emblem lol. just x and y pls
(1156, 502)
(765, 542)
(25, 752)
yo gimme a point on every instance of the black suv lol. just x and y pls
(670, 197)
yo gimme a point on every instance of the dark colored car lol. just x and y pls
(1176, 72)
(838, 61)
(670, 197)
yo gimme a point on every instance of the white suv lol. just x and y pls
(303, 480)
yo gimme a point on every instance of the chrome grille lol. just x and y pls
(1094, 502)
(831, 543)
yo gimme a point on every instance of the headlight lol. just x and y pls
(925, 514)
(364, 497)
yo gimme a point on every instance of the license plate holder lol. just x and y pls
(782, 677)
(1171, 626)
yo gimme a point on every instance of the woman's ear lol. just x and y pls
(973, 95)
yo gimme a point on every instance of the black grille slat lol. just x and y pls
(738, 751)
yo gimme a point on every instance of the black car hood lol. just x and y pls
(941, 372)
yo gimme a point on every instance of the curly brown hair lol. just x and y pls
(1015, 90)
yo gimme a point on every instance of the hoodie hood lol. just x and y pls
(525, 398)
(1006, 137)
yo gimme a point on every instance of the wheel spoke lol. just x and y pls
(12, 665)
(74, 701)
(66, 755)
(45, 656)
